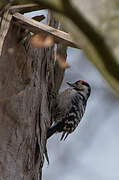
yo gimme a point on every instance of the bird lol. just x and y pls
(69, 108)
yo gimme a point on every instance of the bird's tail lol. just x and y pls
(55, 128)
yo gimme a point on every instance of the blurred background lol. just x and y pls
(92, 151)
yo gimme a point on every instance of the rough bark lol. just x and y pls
(27, 92)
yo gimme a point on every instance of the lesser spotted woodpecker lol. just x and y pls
(69, 108)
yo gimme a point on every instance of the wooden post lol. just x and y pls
(28, 87)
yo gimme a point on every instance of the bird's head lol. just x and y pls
(82, 87)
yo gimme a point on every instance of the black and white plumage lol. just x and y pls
(69, 109)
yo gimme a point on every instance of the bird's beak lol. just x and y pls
(73, 85)
(70, 84)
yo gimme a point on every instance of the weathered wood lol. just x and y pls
(34, 26)
(24, 8)
(26, 88)
(4, 28)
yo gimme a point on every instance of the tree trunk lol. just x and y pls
(28, 87)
